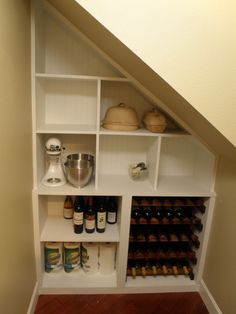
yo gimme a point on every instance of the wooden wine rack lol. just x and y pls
(170, 240)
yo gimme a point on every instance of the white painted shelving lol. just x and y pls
(73, 84)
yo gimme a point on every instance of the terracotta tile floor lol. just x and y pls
(162, 303)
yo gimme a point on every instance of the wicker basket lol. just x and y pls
(121, 118)
(154, 121)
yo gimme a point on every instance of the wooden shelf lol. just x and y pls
(77, 280)
(59, 229)
(142, 132)
(66, 129)
(51, 76)
(120, 184)
(67, 189)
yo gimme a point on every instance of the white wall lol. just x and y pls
(190, 44)
(17, 269)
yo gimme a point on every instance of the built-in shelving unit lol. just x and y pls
(74, 84)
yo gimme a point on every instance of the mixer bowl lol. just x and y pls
(79, 169)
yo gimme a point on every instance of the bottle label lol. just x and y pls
(111, 217)
(90, 222)
(78, 218)
(68, 213)
(101, 220)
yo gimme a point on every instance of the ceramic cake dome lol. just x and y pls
(121, 118)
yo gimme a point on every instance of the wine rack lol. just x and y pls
(163, 236)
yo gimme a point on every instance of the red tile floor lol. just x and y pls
(162, 303)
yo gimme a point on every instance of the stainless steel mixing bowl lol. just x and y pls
(79, 169)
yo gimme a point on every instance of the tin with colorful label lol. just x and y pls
(53, 256)
(72, 256)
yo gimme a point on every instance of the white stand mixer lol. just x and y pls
(55, 175)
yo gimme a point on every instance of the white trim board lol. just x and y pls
(33, 300)
(208, 299)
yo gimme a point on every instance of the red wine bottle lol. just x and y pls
(78, 216)
(112, 211)
(101, 216)
(90, 217)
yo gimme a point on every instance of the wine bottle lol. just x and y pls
(135, 215)
(160, 254)
(171, 253)
(163, 263)
(191, 255)
(199, 203)
(178, 215)
(138, 252)
(143, 268)
(173, 265)
(184, 264)
(169, 214)
(172, 235)
(132, 265)
(158, 213)
(154, 266)
(90, 216)
(147, 214)
(197, 223)
(187, 270)
(193, 238)
(68, 209)
(112, 211)
(101, 216)
(142, 218)
(78, 216)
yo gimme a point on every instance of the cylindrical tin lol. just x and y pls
(72, 256)
(53, 256)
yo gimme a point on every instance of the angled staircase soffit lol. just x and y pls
(143, 77)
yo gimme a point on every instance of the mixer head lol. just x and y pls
(53, 146)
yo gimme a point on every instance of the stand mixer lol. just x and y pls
(55, 175)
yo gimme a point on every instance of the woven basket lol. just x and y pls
(154, 121)
(121, 118)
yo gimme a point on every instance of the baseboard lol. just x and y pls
(33, 300)
(208, 299)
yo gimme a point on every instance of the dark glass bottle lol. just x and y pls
(178, 215)
(187, 270)
(143, 268)
(90, 216)
(112, 211)
(169, 214)
(199, 203)
(147, 213)
(101, 216)
(158, 213)
(154, 267)
(132, 266)
(78, 216)
(68, 209)
(135, 215)
(163, 263)
(173, 265)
